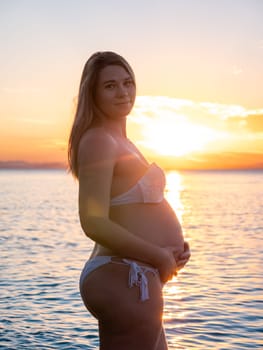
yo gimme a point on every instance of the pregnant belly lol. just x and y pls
(156, 223)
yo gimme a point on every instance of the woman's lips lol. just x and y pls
(123, 103)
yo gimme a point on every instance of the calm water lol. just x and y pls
(215, 303)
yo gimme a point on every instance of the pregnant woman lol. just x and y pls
(138, 239)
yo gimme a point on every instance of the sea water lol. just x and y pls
(216, 302)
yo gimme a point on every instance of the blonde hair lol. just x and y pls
(86, 110)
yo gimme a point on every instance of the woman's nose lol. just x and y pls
(122, 91)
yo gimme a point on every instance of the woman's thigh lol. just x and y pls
(108, 297)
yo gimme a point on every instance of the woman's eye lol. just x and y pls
(129, 83)
(109, 86)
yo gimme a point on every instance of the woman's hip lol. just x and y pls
(112, 268)
(113, 288)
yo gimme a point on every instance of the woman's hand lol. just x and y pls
(166, 263)
(183, 257)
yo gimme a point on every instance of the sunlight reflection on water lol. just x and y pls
(214, 303)
(174, 187)
(217, 300)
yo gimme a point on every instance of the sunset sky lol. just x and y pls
(198, 64)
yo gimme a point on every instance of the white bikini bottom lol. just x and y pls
(137, 272)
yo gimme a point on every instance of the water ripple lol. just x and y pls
(214, 303)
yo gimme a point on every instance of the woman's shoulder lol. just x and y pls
(97, 137)
(97, 143)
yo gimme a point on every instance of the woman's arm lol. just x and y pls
(97, 157)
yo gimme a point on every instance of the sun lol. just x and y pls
(176, 138)
(174, 128)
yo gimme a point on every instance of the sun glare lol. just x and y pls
(176, 138)
(172, 127)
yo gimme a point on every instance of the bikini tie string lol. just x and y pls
(138, 278)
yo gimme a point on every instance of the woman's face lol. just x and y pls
(115, 92)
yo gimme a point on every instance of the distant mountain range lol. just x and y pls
(202, 161)
(29, 165)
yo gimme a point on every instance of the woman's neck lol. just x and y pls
(115, 127)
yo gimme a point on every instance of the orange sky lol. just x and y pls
(199, 77)
(177, 133)
(185, 134)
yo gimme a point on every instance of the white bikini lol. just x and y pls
(148, 189)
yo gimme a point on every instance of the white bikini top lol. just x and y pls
(148, 189)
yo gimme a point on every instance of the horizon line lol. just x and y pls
(25, 165)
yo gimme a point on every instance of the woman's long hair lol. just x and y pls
(86, 110)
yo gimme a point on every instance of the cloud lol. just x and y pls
(168, 126)
(255, 122)
(220, 117)
(250, 123)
